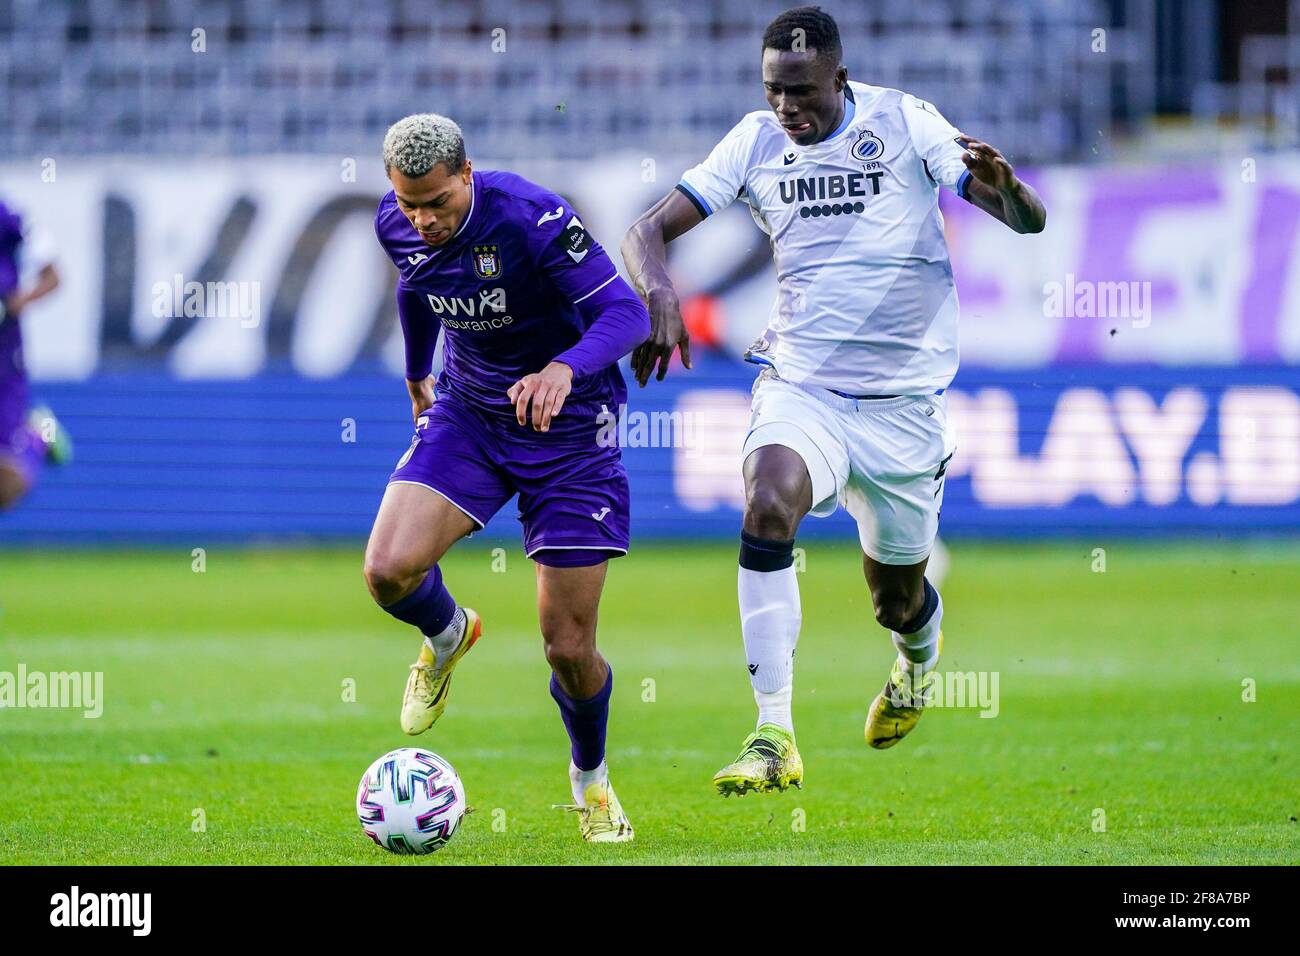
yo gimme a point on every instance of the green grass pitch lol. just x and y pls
(1120, 694)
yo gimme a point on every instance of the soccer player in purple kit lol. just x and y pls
(536, 318)
(29, 437)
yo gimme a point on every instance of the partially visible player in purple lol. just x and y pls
(535, 318)
(29, 437)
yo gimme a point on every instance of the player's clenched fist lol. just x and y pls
(546, 390)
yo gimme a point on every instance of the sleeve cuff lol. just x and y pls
(575, 366)
(696, 199)
(963, 185)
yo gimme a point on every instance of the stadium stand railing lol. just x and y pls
(327, 76)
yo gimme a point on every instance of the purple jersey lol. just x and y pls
(513, 289)
(20, 446)
(11, 342)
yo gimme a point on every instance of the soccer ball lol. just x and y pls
(410, 801)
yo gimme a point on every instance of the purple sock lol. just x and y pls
(430, 607)
(585, 720)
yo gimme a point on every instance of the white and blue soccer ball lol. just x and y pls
(410, 801)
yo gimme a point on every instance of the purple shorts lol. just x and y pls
(15, 435)
(573, 492)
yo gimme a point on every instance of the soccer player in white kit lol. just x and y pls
(859, 348)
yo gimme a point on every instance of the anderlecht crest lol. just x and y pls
(487, 261)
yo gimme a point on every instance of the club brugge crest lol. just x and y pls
(868, 146)
(487, 261)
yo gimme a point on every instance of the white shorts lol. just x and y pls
(884, 459)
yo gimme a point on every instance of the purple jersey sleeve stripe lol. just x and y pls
(582, 298)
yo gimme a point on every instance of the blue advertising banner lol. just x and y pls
(1128, 450)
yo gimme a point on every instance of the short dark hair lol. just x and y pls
(820, 33)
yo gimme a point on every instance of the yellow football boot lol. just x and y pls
(602, 820)
(897, 709)
(428, 685)
(768, 760)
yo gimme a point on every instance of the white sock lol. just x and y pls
(774, 708)
(918, 652)
(445, 642)
(580, 780)
(770, 616)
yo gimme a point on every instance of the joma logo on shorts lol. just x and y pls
(488, 299)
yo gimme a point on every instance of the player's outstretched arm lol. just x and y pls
(995, 188)
(47, 280)
(645, 255)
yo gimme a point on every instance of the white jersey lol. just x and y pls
(866, 303)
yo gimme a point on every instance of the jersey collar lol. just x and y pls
(849, 109)
(473, 202)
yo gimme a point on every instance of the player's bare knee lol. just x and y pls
(769, 512)
(897, 609)
(569, 634)
(568, 649)
(390, 579)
